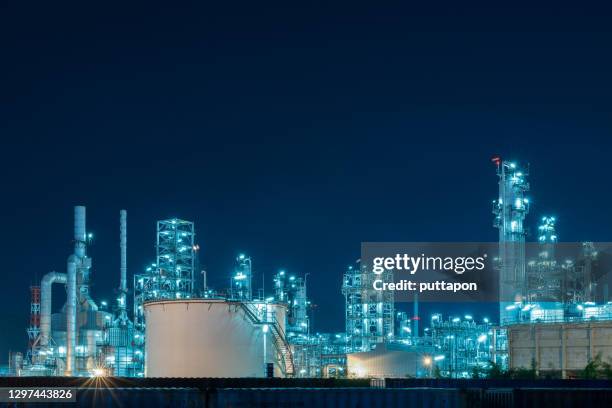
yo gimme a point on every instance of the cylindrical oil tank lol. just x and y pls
(211, 338)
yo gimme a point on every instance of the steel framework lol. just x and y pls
(369, 313)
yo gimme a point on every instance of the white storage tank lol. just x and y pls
(211, 338)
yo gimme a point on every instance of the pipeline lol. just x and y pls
(45, 304)
(71, 316)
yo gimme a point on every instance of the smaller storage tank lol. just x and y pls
(211, 338)
(388, 361)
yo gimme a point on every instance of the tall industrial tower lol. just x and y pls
(34, 329)
(175, 258)
(510, 210)
(369, 313)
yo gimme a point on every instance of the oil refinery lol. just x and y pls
(555, 314)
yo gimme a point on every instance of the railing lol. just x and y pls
(278, 335)
(602, 317)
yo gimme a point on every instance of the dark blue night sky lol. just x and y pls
(292, 133)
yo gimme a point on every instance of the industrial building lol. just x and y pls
(560, 349)
(84, 337)
(554, 313)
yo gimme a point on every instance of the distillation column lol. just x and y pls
(77, 272)
(122, 317)
(510, 210)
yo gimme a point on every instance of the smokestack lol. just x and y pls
(79, 231)
(71, 316)
(123, 246)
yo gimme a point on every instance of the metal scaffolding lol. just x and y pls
(462, 347)
(369, 313)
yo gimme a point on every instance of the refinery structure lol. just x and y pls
(554, 313)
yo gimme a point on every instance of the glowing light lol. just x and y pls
(97, 372)
(360, 372)
(482, 338)
(427, 361)
(265, 328)
(518, 203)
(439, 358)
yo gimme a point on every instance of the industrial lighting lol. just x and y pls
(482, 338)
(97, 372)
(360, 372)
(427, 361)
(439, 358)
(265, 328)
